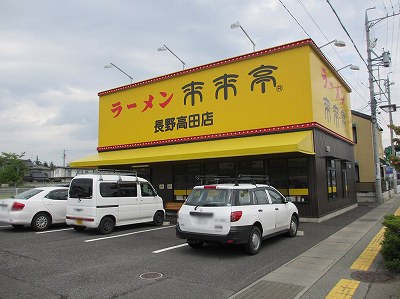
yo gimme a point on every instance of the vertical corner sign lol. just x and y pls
(331, 100)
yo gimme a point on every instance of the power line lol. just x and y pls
(295, 19)
(308, 13)
(352, 74)
(345, 30)
(355, 47)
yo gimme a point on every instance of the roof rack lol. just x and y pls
(108, 171)
(214, 178)
(252, 178)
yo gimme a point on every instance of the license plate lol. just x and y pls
(78, 221)
(203, 221)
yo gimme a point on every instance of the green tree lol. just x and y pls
(12, 168)
(37, 161)
(394, 160)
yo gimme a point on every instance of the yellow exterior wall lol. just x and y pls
(131, 116)
(363, 149)
(331, 100)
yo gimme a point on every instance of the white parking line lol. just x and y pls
(170, 248)
(128, 234)
(4, 226)
(53, 231)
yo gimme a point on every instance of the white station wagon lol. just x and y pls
(236, 214)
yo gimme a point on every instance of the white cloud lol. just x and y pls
(53, 55)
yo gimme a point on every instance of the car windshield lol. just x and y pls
(209, 197)
(81, 188)
(28, 194)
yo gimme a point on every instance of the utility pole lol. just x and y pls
(378, 186)
(391, 131)
(64, 155)
(386, 62)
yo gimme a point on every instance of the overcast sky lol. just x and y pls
(53, 55)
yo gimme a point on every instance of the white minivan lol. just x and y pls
(104, 201)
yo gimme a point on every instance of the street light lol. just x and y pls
(352, 67)
(389, 108)
(112, 65)
(336, 43)
(165, 48)
(237, 25)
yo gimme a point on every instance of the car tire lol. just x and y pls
(106, 225)
(40, 222)
(17, 226)
(294, 225)
(253, 245)
(158, 218)
(79, 228)
(195, 243)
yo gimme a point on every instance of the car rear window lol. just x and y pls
(81, 188)
(209, 197)
(28, 193)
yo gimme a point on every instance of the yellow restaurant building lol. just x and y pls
(282, 112)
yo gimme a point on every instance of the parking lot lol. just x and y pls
(140, 261)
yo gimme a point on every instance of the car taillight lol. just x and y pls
(17, 206)
(210, 187)
(235, 216)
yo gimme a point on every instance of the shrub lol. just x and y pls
(391, 242)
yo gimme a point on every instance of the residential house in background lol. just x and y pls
(364, 158)
(36, 173)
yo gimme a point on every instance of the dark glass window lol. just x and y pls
(147, 190)
(279, 177)
(59, 194)
(81, 188)
(331, 173)
(128, 189)
(108, 189)
(354, 133)
(242, 197)
(345, 182)
(276, 197)
(28, 193)
(251, 167)
(298, 173)
(208, 198)
(261, 197)
(180, 182)
(357, 170)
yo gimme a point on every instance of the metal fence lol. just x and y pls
(6, 192)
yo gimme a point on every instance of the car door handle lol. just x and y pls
(260, 210)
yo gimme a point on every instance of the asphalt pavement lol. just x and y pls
(347, 264)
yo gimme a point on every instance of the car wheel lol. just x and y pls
(40, 222)
(254, 243)
(18, 226)
(158, 218)
(106, 225)
(79, 228)
(294, 224)
(194, 243)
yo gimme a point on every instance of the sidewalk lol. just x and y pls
(325, 269)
